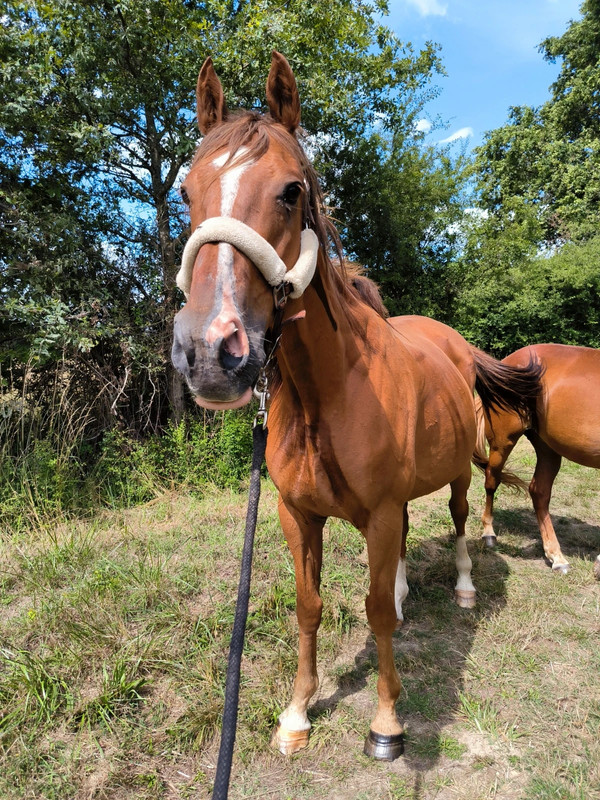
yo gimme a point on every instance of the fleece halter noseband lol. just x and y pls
(259, 251)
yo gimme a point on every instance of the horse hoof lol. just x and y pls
(289, 742)
(489, 541)
(465, 598)
(384, 747)
(563, 569)
(400, 623)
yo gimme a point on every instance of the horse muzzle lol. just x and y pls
(219, 365)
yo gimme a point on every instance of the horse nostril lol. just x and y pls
(190, 354)
(183, 358)
(231, 351)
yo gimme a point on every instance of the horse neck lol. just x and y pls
(317, 351)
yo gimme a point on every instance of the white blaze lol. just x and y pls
(225, 306)
(230, 183)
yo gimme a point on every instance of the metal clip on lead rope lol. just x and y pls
(260, 392)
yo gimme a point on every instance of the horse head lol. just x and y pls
(249, 195)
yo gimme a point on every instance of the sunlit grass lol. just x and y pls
(114, 639)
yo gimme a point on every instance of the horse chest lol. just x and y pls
(339, 472)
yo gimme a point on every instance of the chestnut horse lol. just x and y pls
(366, 414)
(566, 424)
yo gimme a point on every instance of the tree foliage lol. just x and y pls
(511, 294)
(530, 262)
(398, 203)
(96, 123)
(550, 156)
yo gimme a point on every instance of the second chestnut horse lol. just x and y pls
(564, 424)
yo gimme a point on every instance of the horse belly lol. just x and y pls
(572, 428)
(445, 440)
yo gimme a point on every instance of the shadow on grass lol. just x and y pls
(431, 652)
(577, 538)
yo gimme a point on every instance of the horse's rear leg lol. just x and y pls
(305, 540)
(499, 453)
(540, 489)
(384, 543)
(464, 591)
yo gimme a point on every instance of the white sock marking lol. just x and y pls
(463, 565)
(401, 589)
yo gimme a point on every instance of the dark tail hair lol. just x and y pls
(501, 386)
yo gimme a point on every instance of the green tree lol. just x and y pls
(528, 270)
(510, 294)
(398, 203)
(97, 112)
(550, 156)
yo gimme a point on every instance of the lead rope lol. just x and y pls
(232, 683)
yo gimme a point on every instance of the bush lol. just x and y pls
(213, 449)
(49, 465)
(508, 300)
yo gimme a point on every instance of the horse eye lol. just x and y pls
(291, 193)
(184, 196)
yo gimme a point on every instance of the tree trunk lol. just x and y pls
(160, 191)
(169, 268)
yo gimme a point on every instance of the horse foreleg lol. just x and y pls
(401, 587)
(499, 452)
(540, 489)
(464, 591)
(384, 544)
(305, 540)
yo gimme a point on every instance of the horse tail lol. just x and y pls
(480, 454)
(504, 387)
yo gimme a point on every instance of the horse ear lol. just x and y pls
(282, 93)
(210, 100)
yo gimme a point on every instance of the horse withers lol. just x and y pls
(366, 413)
(565, 424)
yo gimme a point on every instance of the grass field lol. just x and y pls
(114, 635)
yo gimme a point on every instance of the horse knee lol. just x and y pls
(381, 612)
(309, 613)
(540, 494)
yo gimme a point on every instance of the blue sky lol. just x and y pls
(490, 52)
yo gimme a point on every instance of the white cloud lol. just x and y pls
(430, 8)
(423, 125)
(462, 133)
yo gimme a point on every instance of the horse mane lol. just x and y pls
(247, 136)
(365, 288)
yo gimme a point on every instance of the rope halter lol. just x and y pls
(259, 251)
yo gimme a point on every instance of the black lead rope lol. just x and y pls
(259, 439)
(232, 685)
